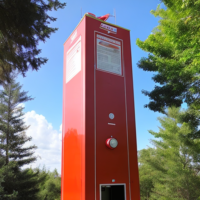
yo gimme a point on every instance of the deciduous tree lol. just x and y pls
(173, 48)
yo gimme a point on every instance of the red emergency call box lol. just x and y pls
(99, 152)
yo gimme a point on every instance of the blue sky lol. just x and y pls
(45, 111)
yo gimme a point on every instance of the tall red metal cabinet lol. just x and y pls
(99, 153)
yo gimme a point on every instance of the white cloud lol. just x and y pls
(60, 135)
(47, 139)
(60, 128)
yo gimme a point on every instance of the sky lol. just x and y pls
(44, 113)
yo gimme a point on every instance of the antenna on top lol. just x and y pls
(114, 15)
(81, 13)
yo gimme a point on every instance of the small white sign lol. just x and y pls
(108, 28)
(73, 64)
(73, 36)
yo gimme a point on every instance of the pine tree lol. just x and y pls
(23, 24)
(173, 166)
(17, 183)
(50, 189)
(147, 175)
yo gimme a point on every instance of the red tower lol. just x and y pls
(99, 152)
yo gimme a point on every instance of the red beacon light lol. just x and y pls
(103, 18)
(111, 143)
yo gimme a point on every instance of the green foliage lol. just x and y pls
(173, 49)
(171, 169)
(23, 25)
(50, 189)
(17, 183)
(7, 174)
(1, 177)
(147, 175)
